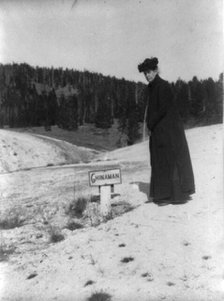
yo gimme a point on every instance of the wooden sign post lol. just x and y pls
(105, 180)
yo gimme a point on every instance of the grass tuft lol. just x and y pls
(11, 219)
(147, 275)
(77, 207)
(55, 235)
(127, 259)
(89, 282)
(73, 226)
(100, 296)
(5, 251)
(31, 276)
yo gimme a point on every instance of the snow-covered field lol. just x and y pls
(150, 253)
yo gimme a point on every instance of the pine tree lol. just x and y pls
(68, 117)
(103, 116)
(133, 124)
(219, 99)
(181, 91)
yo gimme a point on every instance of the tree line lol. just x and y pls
(39, 96)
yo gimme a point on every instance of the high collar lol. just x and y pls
(154, 82)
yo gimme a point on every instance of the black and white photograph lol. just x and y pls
(111, 150)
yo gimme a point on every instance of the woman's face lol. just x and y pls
(150, 75)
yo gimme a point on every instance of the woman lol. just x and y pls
(172, 179)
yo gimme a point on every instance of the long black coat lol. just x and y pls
(169, 154)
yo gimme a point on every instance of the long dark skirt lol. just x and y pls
(171, 169)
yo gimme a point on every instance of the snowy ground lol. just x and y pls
(171, 252)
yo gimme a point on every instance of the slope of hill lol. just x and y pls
(22, 151)
(86, 135)
(172, 253)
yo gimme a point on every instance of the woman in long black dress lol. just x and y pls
(172, 178)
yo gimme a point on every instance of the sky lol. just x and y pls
(113, 36)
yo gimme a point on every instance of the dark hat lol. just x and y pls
(148, 64)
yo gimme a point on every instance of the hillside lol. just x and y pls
(86, 135)
(23, 151)
(172, 253)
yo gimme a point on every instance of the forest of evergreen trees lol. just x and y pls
(34, 96)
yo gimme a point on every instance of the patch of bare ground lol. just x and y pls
(37, 226)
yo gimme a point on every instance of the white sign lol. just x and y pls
(105, 177)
